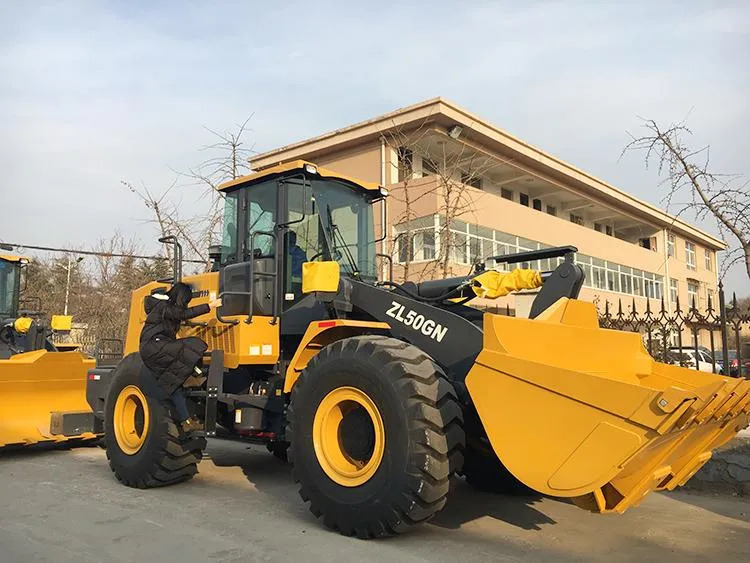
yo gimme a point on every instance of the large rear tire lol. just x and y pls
(145, 447)
(376, 432)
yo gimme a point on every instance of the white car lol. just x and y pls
(705, 362)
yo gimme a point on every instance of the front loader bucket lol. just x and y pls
(573, 410)
(43, 398)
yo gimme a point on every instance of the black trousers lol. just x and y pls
(152, 389)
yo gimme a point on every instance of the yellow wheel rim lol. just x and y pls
(348, 436)
(131, 419)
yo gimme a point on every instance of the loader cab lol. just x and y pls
(276, 220)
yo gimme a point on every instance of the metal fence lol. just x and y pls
(670, 336)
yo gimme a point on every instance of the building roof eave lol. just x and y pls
(441, 107)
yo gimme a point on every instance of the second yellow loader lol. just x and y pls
(42, 386)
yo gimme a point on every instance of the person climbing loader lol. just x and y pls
(170, 360)
(380, 392)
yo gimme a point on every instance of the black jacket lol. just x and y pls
(170, 359)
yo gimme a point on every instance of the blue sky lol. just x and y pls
(93, 93)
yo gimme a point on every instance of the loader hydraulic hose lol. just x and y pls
(432, 299)
(439, 290)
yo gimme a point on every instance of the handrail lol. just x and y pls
(177, 258)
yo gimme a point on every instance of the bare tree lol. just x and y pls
(227, 161)
(404, 193)
(456, 170)
(722, 198)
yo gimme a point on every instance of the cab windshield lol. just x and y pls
(346, 219)
(8, 288)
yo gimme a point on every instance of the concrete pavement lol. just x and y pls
(65, 506)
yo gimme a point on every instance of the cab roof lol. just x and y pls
(13, 258)
(294, 166)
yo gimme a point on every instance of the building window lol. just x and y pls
(626, 280)
(405, 163)
(613, 283)
(537, 204)
(674, 293)
(471, 180)
(690, 255)
(692, 293)
(598, 227)
(608, 229)
(648, 243)
(577, 219)
(638, 285)
(458, 249)
(709, 261)
(670, 246)
(404, 248)
(424, 245)
(470, 243)
(506, 194)
(524, 199)
(711, 299)
(552, 210)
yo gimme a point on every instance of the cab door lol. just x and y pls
(250, 265)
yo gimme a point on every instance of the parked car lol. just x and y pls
(734, 363)
(687, 357)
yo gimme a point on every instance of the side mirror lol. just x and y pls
(320, 277)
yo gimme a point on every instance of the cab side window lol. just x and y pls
(229, 228)
(261, 219)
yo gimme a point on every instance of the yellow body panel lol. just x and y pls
(320, 276)
(320, 334)
(573, 410)
(256, 343)
(33, 386)
(61, 322)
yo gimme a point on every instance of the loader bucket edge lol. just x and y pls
(577, 411)
(43, 398)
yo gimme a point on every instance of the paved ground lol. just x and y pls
(66, 507)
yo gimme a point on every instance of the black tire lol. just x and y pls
(166, 457)
(484, 471)
(423, 436)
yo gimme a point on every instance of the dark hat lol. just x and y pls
(180, 294)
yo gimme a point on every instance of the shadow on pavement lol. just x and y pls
(19, 451)
(723, 504)
(466, 504)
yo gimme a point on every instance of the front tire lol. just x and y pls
(144, 446)
(376, 433)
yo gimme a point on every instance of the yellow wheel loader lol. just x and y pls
(42, 387)
(379, 392)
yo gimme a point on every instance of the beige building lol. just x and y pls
(463, 190)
